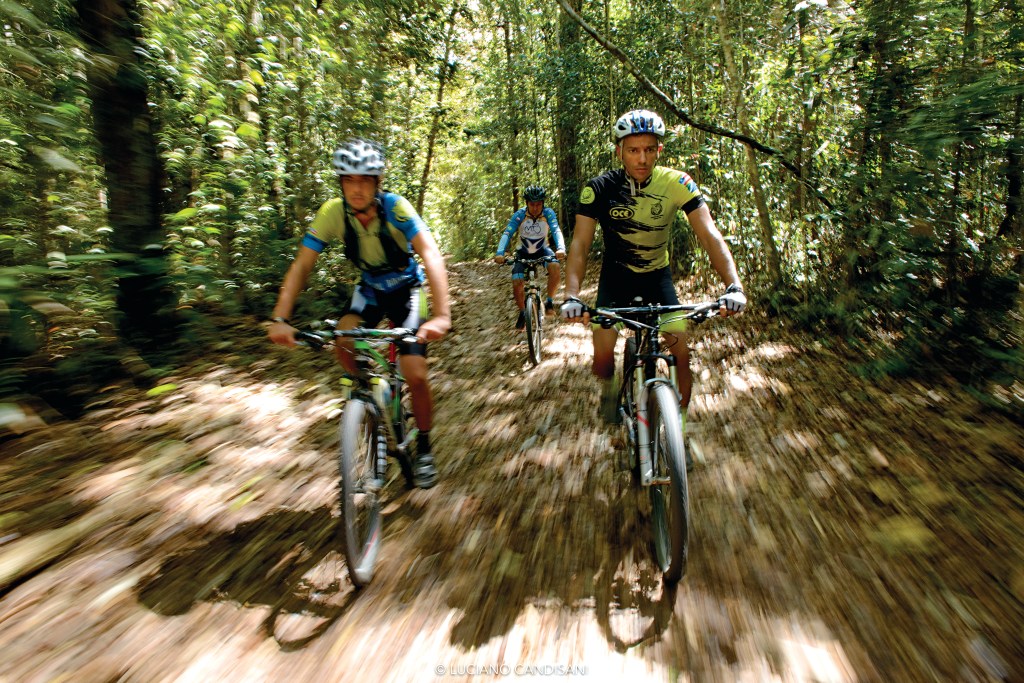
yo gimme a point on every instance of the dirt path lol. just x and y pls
(843, 530)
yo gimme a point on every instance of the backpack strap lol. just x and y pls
(398, 259)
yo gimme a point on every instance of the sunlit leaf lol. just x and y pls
(247, 130)
(161, 389)
(57, 160)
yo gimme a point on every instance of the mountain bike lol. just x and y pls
(376, 424)
(534, 309)
(649, 408)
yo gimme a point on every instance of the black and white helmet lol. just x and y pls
(359, 157)
(639, 121)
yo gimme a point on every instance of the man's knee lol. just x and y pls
(414, 369)
(603, 369)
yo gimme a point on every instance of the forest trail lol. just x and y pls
(843, 530)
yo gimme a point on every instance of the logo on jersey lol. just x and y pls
(687, 182)
(587, 196)
(620, 213)
(656, 210)
(403, 211)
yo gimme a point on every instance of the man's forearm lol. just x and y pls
(437, 277)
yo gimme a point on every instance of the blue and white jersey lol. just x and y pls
(533, 231)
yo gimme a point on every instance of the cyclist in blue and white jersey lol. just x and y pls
(535, 224)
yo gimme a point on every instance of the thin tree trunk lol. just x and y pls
(444, 70)
(567, 118)
(1011, 223)
(511, 111)
(771, 252)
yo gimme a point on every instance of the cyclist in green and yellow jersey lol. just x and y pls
(636, 207)
(382, 234)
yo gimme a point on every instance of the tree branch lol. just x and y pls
(681, 113)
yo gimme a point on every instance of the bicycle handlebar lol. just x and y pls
(696, 312)
(319, 339)
(512, 260)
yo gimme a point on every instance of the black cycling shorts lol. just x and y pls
(404, 307)
(620, 286)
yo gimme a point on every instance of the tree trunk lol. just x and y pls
(124, 130)
(1011, 223)
(512, 111)
(444, 70)
(567, 118)
(771, 252)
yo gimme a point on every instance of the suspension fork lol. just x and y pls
(642, 388)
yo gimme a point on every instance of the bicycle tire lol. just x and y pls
(670, 501)
(629, 401)
(360, 503)
(406, 429)
(534, 327)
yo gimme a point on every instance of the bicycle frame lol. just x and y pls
(388, 373)
(383, 370)
(647, 353)
(641, 375)
(530, 271)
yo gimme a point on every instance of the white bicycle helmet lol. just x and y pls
(639, 121)
(359, 157)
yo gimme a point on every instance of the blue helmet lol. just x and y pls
(639, 121)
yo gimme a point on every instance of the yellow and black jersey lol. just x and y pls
(635, 219)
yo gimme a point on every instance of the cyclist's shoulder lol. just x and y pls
(399, 211)
(600, 188)
(608, 179)
(333, 206)
(672, 177)
(329, 221)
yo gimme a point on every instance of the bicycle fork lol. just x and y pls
(644, 437)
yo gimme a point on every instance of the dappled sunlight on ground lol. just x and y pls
(841, 530)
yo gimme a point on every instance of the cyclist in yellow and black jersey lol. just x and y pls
(636, 207)
(636, 217)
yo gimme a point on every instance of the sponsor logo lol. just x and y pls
(403, 211)
(620, 213)
(656, 210)
(587, 196)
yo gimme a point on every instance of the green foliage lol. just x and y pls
(900, 114)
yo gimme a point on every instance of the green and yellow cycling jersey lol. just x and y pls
(635, 218)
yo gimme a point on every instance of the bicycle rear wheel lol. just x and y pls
(361, 481)
(534, 328)
(669, 491)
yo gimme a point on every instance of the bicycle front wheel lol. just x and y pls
(669, 492)
(534, 328)
(361, 480)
